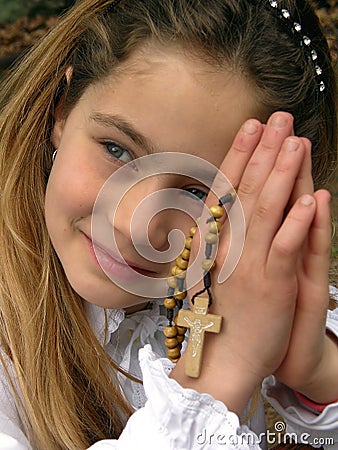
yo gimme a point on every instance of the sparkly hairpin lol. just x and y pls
(296, 29)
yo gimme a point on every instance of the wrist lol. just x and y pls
(321, 388)
(221, 377)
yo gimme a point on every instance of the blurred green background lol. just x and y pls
(10, 10)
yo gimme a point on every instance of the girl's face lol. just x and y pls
(159, 102)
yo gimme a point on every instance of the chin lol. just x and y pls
(105, 294)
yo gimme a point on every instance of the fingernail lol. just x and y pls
(279, 121)
(307, 200)
(250, 127)
(291, 144)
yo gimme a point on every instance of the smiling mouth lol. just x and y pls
(113, 265)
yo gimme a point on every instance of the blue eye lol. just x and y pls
(118, 152)
(198, 193)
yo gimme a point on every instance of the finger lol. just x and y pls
(251, 159)
(313, 292)
(278, 128)
(232, 168)
(255, 170)
(228, 176)
(269, 209)
(287, 244)
(317, 251)
(312, 274)
(304, 181)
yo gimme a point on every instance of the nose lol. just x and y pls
(143, 215)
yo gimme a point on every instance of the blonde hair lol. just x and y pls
(67, 393)
(69, 397)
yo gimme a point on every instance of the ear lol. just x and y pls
(59, 115)
(56, 133)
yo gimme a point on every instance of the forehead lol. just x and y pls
(177, 101)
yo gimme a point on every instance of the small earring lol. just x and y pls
(54, 155)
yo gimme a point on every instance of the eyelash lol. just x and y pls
(190, 191)
(108, 144)
(195, 192)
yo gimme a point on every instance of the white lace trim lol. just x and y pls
(97, 320)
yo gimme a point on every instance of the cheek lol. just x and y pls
(72, 189)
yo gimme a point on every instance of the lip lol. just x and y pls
(113, 265)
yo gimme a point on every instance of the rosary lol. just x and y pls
(199, 321)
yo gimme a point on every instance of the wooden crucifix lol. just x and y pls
(199, 321)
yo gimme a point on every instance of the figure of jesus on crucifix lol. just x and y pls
(199, 321)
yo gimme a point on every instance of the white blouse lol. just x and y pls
(168, 417)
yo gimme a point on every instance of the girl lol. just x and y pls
(116, 80)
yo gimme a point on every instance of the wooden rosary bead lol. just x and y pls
(181, 263)
(178, 273)
(180, 295)
(217, 211)
(172, 282)
(180, 338)
(188, 242)
(170, 331)
(211, 238)
(208, 264)
(171, 342)
(215, 227)
(185, 254)
(175, 360)
(181, 330)
(192, 231)
(174, 352)
(170, 303)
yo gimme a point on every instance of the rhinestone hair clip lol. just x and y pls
(294, 27)
(305, 41)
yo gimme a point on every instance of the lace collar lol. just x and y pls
(103, 321)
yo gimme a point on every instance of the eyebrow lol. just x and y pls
(119, 122)
(128, 129)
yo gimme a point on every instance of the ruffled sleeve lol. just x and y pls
(177, 418)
